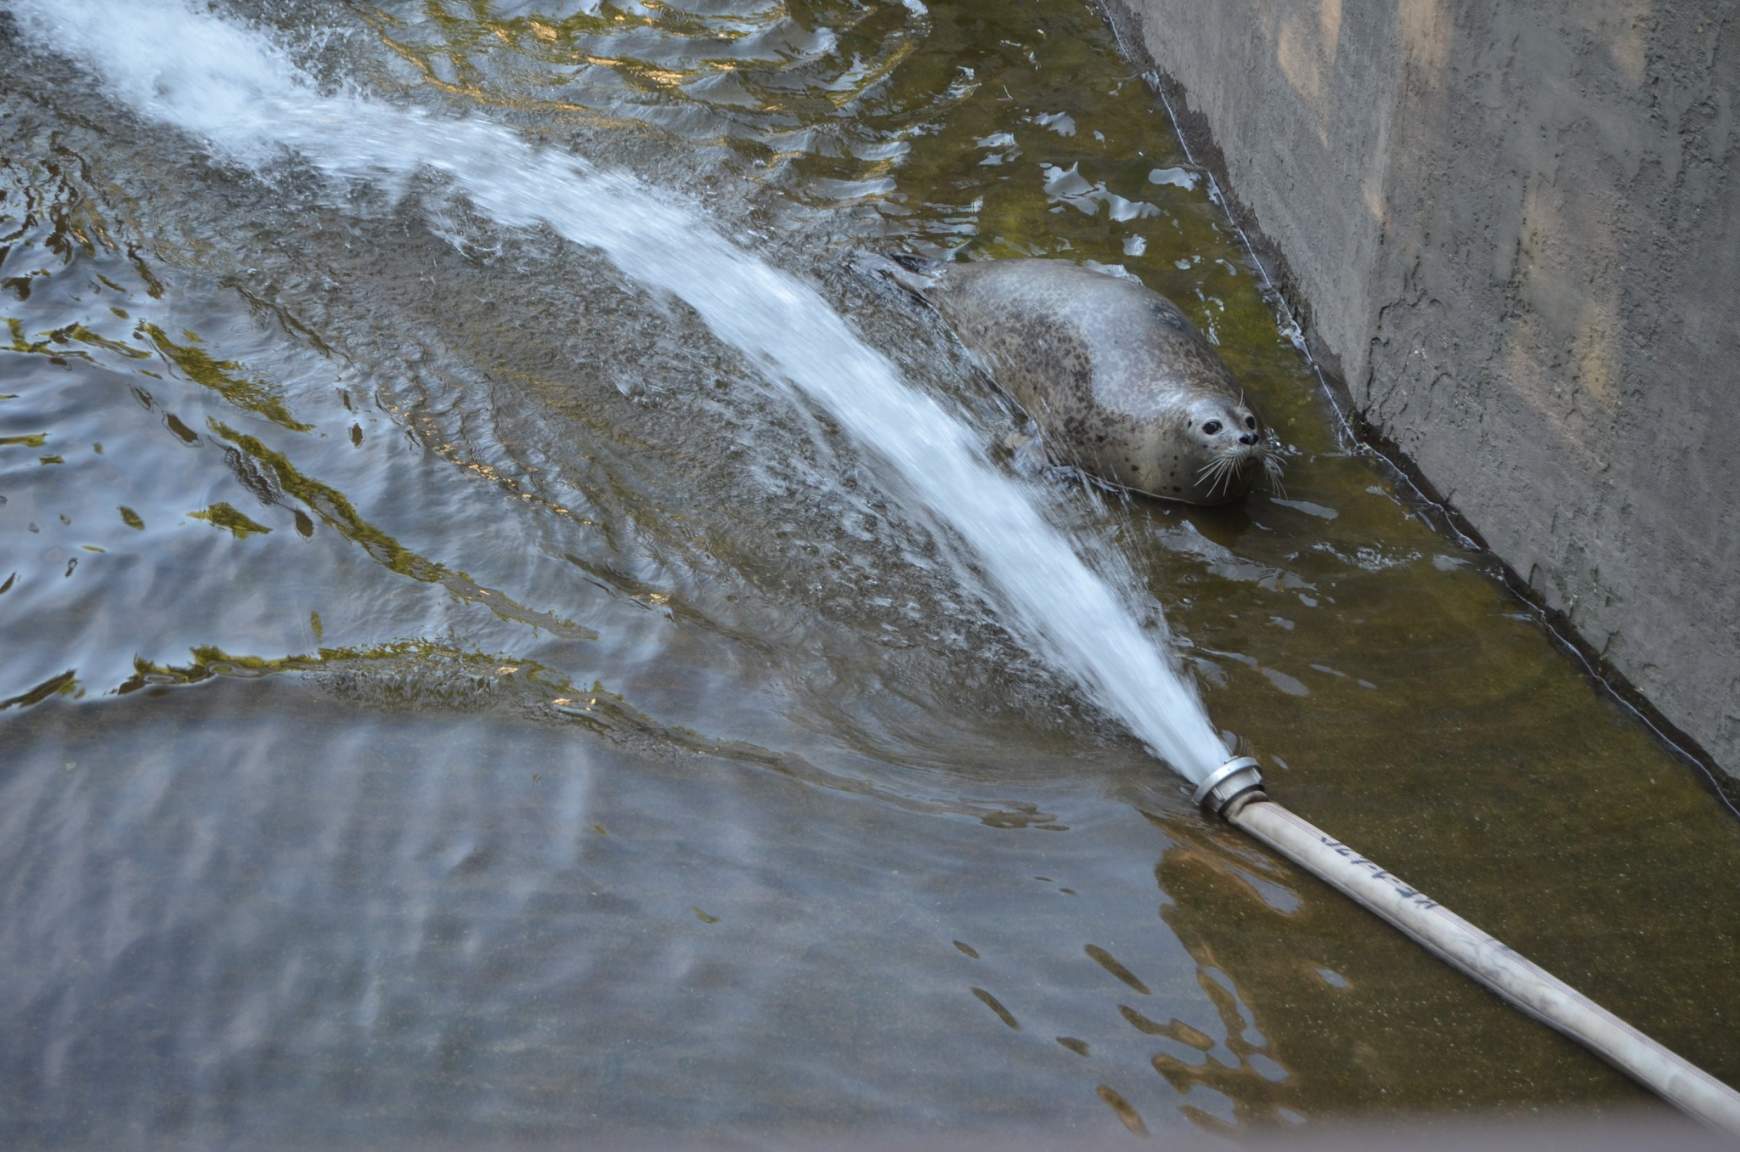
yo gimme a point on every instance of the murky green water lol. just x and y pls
(441, 696)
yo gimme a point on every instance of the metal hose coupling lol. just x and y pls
(1238, 779)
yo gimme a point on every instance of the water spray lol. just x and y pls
(1234, 792)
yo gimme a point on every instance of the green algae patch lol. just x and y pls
(222, 377)
(414, 673)
(222, 515)
(65, 684)
(336, 510)
(84, 335)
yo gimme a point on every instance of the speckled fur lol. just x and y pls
(1118, 379)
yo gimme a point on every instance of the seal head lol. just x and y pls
(1119, 381)
(1227, 448)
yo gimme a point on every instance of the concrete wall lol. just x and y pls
(1517, 226)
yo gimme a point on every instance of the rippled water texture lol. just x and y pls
(452, 683)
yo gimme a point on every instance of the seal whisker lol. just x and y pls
(1273, 466)
(1226, 467)
(1234, 468)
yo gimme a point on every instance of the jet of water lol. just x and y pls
(238, 92)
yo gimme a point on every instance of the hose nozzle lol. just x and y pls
(1239, 778)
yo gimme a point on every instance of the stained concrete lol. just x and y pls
(1517, 230)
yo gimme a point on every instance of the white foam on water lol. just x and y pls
(239, 93)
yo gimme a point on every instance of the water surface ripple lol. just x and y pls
(514, 630)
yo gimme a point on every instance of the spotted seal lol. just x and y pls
(1119, 381)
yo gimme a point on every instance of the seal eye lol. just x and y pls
(1211, 427)
(1250, 422)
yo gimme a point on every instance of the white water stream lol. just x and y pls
(238, 93)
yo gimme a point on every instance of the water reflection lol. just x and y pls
(499, 924)
(1345, 1016)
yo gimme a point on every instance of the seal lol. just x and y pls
(1119, 381)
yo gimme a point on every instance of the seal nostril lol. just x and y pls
(1247, 438)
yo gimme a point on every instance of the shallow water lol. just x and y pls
(448, 691)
